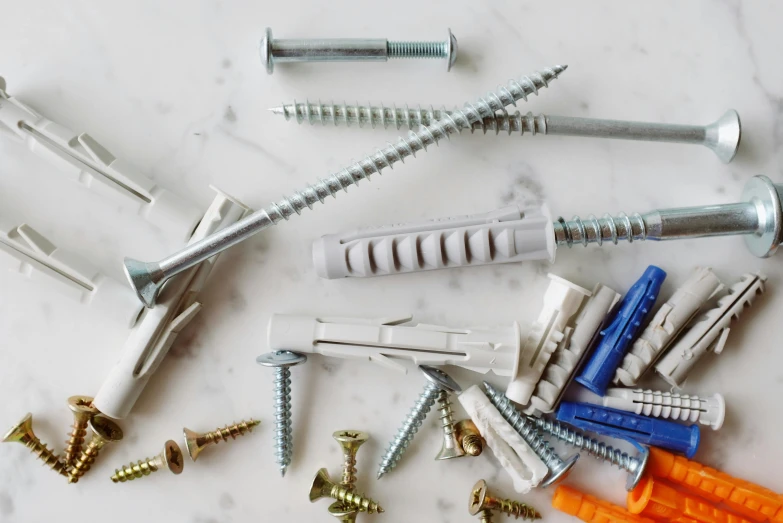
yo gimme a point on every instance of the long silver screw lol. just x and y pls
(351, 50)
(721, 136)
(437, 381)
(634, 465)
(558, 469)
(282, 361)
(146, 278)
(759, 217)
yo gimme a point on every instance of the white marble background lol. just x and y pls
(177, 88)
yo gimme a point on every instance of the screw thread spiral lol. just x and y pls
(349, 470)
(516, 509)
(409, 428)
(417, 49)
(352, 499)
(594, 447)
(472, 445)
(446, 412)
(283, 432)
(416, 141)
(230, 431)
(46, 455)
(485, 516)
(75, 441)
(85, 460)
(598, 230)
(135, 470)
(523, 426)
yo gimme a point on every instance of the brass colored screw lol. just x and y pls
(83, 412)
(196, 442)
(481, 500)
(350, 441)
(343, 514)
(324, 487)
(469, 437)
(23, 433)
(485, 516)
(171, 458)
(104, 431)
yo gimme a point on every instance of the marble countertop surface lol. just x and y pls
(177, 89)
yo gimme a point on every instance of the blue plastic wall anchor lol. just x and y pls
(616, 339)
(632, 427)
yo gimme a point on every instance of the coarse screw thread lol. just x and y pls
(85, 460)
(525, 428)
(284, 441)
(349, 470)
(23, 433)
(594, 447)
(136, 470)
(598, 230)
(451, 447)
(324, 486)
(230, 431)
(409, 428)
(472, 445)
(514, 508)
(417, 49)
(83, 412)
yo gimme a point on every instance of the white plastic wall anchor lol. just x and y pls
(155, 333)
(89, 163)
(668, 322)
(709, 333)
(514, 454)
(680, 407)
(570, 352)
(510, 234)
(562, 300)
(29, 253)
(385, 341)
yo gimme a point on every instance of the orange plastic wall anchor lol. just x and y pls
(655, 499)
(593, 510)
(748, 499)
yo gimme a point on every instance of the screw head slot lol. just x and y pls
(106, 429)
(478, 496)
(440, 378)
(174, 458)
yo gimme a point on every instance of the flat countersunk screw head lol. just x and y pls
(20, 432)
(196, 442)
(104, 431)
(23, 433)
(350, 440)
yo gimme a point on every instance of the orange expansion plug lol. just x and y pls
(591, 509)
(750, 500)
(656, 500)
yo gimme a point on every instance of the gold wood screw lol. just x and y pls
(196, 442)
(451, 447)
(469, 437)
(324, 487)
(485, 516)
(171, 458)
(83, 412)
(342, 513)
(481, 500)
(350, 441)
(23, 433)
(104, 431)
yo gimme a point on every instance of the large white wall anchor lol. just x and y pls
(155, 333)
(94, 167)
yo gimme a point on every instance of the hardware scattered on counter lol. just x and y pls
(195, 442)
(722, 136)
(322, 487)
(282, 361)
(171, 458)
(276, 50)
(104, 431)
(23, 433)
(483, 503)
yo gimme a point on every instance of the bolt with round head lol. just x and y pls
(481, 499)
(322, 486)
(343, 513)
(170, 458)
(23, 433)
(104, 431)
(196, 442)
(282, 361)
(350, 441)
(83, 411)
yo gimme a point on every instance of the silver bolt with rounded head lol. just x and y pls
(282, 361)
(634, 465)
(721, 136)
(147, 278)
(759, 217)
(274, 51)
(558, 468)
(437, 381)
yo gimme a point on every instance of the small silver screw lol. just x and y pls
(451, 447)
(146, 278)
(282, 361)
(634, 465)
(722, 136)
(351, 50)
(558, 469)
(437, 381)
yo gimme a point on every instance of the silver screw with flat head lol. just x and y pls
(634, 465)
(282, 361)
(274, 51)
(438, 381)
(722, 136)
(558, 469)
(147, 278)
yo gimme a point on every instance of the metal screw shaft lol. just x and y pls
(485, 516)
(196, 442)
(104, 431)
(558, 468)
(170, 458)
(323, 486)
(634, 465)
(23, 433)
(147, 278)
(759, 218)
(274, 50)
(350, 441)
(451, 447)
(483, 502)
(722, 136)
(83, 412)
